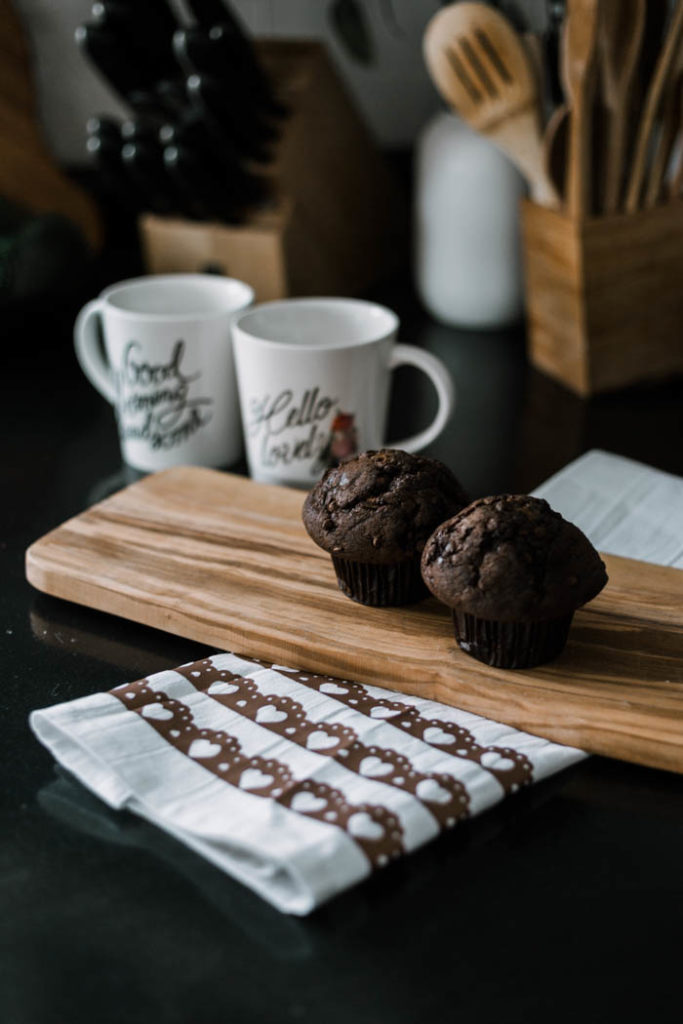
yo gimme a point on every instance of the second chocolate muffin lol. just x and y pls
(513, 572)
(373, 514)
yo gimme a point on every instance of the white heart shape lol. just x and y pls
(254, 778)
(362, 826)
(269, 713)
(157, 711)
(380, 712)
(432, 792)
(195, 673)
(174, 733)
(435, 735)
(321, 740)
(492, 759)
(204, 748)
(332, 688)
(221, 687)
(307, 802)
(375, 767)
(282, 668)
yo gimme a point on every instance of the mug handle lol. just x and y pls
(445, 392)
(89, 353)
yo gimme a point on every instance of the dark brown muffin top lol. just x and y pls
(510, 558)
(380, 507)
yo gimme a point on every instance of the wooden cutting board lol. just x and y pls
(222, 560)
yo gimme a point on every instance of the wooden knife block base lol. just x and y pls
(339, 222)
(604, 297)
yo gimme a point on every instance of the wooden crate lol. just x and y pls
(339, 222)
(604, 296)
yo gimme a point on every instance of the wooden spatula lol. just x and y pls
(669, 123)
(621, 28)
(482, 69)
(579, 66)
(660, 78)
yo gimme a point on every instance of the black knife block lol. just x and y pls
(338, 222)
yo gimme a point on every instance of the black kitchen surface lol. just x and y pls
(565, 903)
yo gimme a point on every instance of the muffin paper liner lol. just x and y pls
(380, 585)
(511, 644)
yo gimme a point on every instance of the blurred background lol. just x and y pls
(375, 44)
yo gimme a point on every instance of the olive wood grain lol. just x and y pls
(225, 561)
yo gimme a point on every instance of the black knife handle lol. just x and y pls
(211, 12)
(145, 164)
(114, 179)
(140, 34)
(104, 127)
(249, 188)
(230, 120)
(197, 179)
(103, 52)
(238, 51)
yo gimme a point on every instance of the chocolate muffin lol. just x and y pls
(373, 514)
(513, 571)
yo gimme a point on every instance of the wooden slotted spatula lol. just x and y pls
(621, 29)
(579, 66)
(481, 67)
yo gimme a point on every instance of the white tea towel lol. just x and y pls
(623, 507)
(298, 785)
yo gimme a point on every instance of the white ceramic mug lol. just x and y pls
(313, 378)
(167, 367)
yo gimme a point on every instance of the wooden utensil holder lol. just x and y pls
(604, 296)
(338, 222)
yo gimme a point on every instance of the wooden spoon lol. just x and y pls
(675, 182)
(621, 29)
(669, 122)
(579, 66)
(661, 76)
(555, 148)
(481, 67)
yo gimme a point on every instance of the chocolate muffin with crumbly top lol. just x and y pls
(513, 572)
(373, 514)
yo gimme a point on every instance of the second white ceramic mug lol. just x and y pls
(167, 366)
(313, 378)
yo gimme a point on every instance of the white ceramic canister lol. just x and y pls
(467, 248)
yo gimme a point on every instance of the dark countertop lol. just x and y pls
(565, 903)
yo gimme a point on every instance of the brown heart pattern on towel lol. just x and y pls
(221, 753)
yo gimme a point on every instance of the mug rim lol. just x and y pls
(312, 302)
(142, 281)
